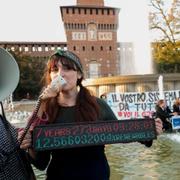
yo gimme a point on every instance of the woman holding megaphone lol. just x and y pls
(71, 102)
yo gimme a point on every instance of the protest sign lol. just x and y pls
(175, 121)
(138, 104)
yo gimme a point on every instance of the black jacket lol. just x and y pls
(164, 115)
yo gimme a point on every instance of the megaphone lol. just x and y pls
(9, 74)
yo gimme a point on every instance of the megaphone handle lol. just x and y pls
(30, 120)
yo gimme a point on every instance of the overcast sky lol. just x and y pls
(40, 20)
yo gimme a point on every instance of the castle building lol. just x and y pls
(91, 31)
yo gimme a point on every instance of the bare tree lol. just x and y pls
(165, 18)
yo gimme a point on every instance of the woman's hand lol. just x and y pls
(49, 92)
(159, 126)
(54, 88)
(175, 113)
(27, 141)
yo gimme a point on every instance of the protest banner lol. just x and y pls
(138, 104)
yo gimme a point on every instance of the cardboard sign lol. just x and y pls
(175, 120)
(58, 136)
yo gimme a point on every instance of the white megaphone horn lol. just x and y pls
(9, 74)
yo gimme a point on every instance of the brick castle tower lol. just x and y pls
(91, 32)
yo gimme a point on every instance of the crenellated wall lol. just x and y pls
(34, 49)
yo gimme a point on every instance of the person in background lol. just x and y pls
(103, 96)
(72, 103)
(164, 113)
(176, 107)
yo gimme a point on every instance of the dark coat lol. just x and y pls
(164, 115)
(13, 162)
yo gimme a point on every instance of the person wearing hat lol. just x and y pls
(13, 162)
(70, 103)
